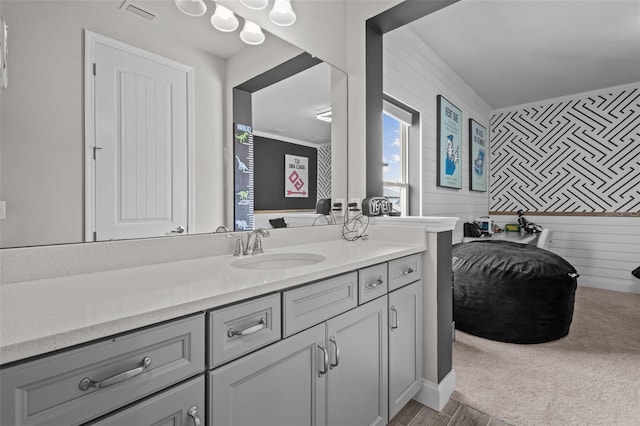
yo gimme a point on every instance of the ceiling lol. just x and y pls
(194, 31)
(513, 52)
(280, 110)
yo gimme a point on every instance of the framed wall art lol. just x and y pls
(449, 144)
(477, 156)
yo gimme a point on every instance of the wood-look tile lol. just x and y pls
(408, 412)
(467, 416)
(429, 417)
(496, 422)
(451, 407)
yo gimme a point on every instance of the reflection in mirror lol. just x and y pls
(282, 146)
(44, 138)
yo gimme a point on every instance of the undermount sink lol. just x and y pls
(278, 260)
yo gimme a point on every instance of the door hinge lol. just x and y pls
(95, 149)
(94, 68)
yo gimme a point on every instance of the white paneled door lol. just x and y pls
(139, 156)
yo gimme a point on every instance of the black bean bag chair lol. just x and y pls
(511, 292)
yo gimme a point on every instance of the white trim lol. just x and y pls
(89, 137)
(397, 112)
(91, 39)
(288, 140)
(436, 396)
(630, 286)
(573, 97)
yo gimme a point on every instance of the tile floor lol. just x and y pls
(453, 414)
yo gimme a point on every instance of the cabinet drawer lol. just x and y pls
(404, 271)
(372, 282)
(314, 303)
(242, 328)
(178, 406)
(49, 391)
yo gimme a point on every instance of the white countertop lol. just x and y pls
(44, 315)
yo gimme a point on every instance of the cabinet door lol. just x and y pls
(182, 405)
(405, 345)
(280, 385)
(357, 381)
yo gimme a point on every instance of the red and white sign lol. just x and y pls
(296, 174)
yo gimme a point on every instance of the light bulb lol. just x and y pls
(282, 13)
(255, 4)
(224, 20)
(251, 33)
(192, 7)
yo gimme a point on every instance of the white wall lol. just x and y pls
(319, 28)
(415, 75)
(43, 126)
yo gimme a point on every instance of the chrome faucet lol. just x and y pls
(256, 248)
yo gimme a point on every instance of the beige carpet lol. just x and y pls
(590, 377)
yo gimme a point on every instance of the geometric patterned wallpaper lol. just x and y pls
(324, 171)
(579, 156)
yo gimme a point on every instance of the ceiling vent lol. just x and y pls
(137, 10)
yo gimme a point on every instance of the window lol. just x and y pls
(395, 137)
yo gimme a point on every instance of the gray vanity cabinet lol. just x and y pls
(332, 374)
(74, 386)
(182, 405)
(357, 377)
(280, 385)
(405, 345)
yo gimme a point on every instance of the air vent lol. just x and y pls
(137, 10)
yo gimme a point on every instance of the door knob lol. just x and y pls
(178, 230)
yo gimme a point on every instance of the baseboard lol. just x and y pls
(632, 285)
(436, 395)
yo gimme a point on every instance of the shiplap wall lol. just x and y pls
(603, 249)
(415, 75)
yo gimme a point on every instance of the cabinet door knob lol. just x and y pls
(374, 284)
(406, 272)
(250, 330)
(325, 363)
(396, 322)
(337, 353)
(87, 383)
(193, 412)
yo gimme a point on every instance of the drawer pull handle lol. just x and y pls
(396, 322)
(87, 383)
(337, 358)
(193, 412)
(325, 363)
(407, 272)
(250, 330)
(374, 284)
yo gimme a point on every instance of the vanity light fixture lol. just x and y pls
(324, 116)
(282, 13)
(255, 4)
(251, 33)
(192, 7)
(224, 20)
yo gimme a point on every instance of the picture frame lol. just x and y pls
(478, 147)
(449, 137)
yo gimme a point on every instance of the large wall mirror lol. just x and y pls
(44, 153)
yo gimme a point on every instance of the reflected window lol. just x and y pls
(395, 140)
